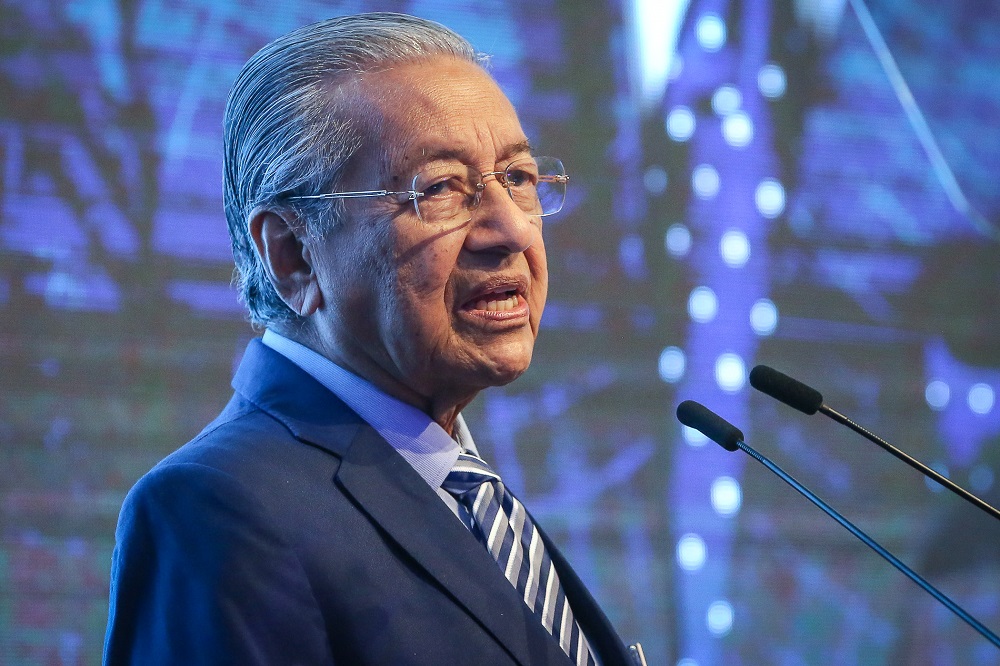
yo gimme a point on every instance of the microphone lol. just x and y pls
(710, 424)
(808, 400)
(701, 418)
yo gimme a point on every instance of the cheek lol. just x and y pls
(539, 276)
(424, 278)
(367, 271)
(423, 284)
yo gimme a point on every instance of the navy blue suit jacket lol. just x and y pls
(290, 532)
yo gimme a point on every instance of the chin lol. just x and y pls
(502, 370)
(502, 378)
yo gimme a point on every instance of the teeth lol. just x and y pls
(497, 305)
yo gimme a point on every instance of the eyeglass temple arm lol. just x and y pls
(353, 195)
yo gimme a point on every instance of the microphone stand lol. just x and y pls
(909, 460)
(697, 416)
(808, 400)
(874, 545)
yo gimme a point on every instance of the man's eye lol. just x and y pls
(446, 187)
(435, 189)
(521, 178)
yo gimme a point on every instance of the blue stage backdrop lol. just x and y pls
(806, 184)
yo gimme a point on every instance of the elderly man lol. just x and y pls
(386, 215)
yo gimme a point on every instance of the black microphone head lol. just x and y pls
(790, 391)
(710, 424)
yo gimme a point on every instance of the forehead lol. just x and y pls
(439, 108)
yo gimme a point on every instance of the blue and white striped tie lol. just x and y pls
(503, 526)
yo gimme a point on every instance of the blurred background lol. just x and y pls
(810, 184)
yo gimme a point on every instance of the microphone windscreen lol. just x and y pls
(701, 418)
(790, 391)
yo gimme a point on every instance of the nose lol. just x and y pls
(498, 224)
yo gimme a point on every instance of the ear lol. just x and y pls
(279, 239)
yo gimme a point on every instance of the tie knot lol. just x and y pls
(469, 473)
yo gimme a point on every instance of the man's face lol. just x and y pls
(433, 313)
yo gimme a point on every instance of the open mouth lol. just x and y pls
(496, 301)
(500, 297)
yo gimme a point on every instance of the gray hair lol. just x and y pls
(286, 134)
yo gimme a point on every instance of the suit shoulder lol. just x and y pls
(246, 442)
(245, 457)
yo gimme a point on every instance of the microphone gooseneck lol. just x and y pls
(806, 399)
(720, 431)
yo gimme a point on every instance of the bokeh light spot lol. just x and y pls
(702, 305)
(655, 180)
(764, 317)
(677, 240)
(981, 398)
(727, 496)
(691, 552)
(770, 198)
(937, 394)
(711, 32)
(672, 364)
(726, 100)
(680, 123)
(737, 129)
(771, 81)
(730, 372)
(705, 181)
(719, 618)
(734, 246)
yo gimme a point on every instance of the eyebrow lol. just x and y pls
(512, 149)
(506, 153)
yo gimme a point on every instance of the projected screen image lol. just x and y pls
(806, 185)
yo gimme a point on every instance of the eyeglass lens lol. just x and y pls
(449, 193)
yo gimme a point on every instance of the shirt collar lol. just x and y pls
(419, 440)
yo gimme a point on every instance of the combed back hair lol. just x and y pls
(286, 132)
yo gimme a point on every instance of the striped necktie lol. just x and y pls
(504, 527)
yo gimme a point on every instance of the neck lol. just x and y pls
(442, 407)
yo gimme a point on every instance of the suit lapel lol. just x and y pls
(402, 504)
